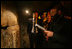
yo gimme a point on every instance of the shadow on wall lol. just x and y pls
(24, 36)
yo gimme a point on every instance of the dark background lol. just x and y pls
(39, 6)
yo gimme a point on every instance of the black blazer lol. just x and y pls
(62, 30)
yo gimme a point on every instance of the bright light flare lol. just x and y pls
(27, 11)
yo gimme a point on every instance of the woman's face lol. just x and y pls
(53, 12)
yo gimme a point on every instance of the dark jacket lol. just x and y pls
(62, 29)
(36, 38)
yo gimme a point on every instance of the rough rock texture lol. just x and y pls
(15, 36)
(10, 36)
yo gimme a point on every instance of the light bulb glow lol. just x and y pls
(27, 11)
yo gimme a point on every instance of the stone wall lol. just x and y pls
(24, 36)
(9, 36)
(15, 35)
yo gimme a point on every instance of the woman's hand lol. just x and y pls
(49, 33)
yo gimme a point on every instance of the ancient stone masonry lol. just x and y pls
(10, 36)
(24, 36)
(6, 39)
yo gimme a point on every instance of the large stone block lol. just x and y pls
(10, 36)
(8, 18)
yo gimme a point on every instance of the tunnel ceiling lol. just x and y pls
(33, 5)
(36, 5)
